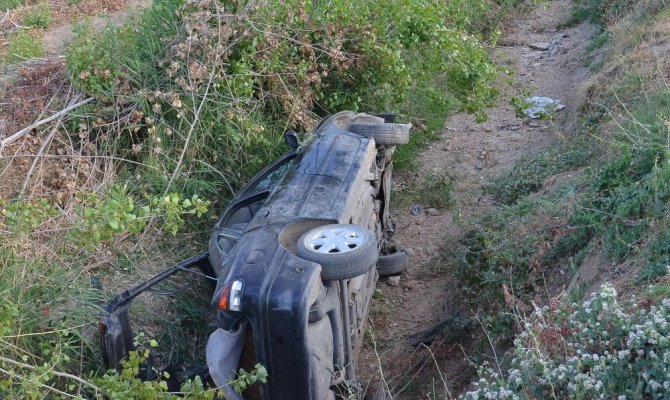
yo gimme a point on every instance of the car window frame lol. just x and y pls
(246, 195)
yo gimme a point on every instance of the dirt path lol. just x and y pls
(547, 61)
(58, 38)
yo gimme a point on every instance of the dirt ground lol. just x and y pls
(547, 61)
(57, 38)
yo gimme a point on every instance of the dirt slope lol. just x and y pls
(547, 61)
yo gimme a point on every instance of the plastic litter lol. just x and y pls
(540, 106)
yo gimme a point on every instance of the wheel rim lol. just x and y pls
(335, 240)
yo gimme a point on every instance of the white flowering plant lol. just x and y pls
(601, 349)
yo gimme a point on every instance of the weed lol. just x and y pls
(436, 190)
(38, 16)
(23, 46)
(513, 246)
(599, 41)
(192, 102)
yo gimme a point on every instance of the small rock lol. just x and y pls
(416, 210)
(479, 165)
(410, 251)
(540, 46)
(487, 129)
(431, 212)
(394, 281)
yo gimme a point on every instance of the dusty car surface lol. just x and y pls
(293, 258)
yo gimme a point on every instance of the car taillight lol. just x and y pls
(231, 296)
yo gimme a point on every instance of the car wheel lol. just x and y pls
(383, 133)
(393, 263)
(343, 251)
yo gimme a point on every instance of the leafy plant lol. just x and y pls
(245, 379)
(217, 98)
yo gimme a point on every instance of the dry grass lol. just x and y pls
(639, 49)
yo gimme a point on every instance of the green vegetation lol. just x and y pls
(315, 59)
(38, 16)
(9, 4)
(529, 174)
(23, 46)
(190, 100)
(576, 201)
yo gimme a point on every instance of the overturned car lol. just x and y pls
(293, 263)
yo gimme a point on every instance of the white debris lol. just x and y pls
(540, 106)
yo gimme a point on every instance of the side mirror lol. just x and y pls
(291, 139)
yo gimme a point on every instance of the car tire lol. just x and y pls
(383, 133)
(393, 264)
(343, 251)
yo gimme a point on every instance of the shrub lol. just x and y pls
(49, 305)
(201, 83)
(599, 350)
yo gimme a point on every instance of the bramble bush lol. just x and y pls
(601, 349)
(206, 87)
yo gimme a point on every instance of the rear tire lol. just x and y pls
(393, 264)
(343, 251)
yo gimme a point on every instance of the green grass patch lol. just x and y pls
(38, 16)
(630, 193)
(9, 4)
(431, 191)
(430, 107)
(530, 173)
(516, 245)
(23, 46)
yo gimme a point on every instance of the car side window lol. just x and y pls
(267, 179)
(271, 180)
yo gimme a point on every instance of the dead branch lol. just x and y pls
(34, 125)
(451, 328)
